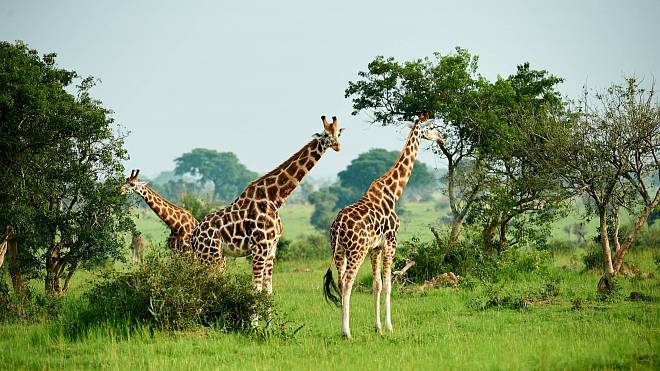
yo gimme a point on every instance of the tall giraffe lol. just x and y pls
(251, 224)
(180, 221)
(371, 225)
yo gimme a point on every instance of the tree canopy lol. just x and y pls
(488, 128)
(369, 166)
(223, 169)
(60, 156)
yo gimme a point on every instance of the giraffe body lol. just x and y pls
(251, 224)
(179, 220)
(370, 226)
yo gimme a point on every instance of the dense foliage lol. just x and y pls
(176, 292)
(223, 169)
(61, 163)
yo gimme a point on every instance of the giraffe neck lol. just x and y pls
(396, 178)
(278, 184)
(161, 206)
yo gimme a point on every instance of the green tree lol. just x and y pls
(612, 155)
(324, 201)
(369, 166)
(522, 196)
(489, 132)
(223, 169)
(447, 86)
(60, 156)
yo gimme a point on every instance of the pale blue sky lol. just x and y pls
(254, 77)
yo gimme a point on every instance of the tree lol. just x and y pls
(485, 126)
(324, 201)
(612, 154)
(521, 196)
(369, 166)
(60, 156)
(223, 169)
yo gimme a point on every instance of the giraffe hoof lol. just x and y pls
(347, 336)
(378, 329)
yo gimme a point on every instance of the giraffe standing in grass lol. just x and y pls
(370, 225)
(251, 224)
(180, 221)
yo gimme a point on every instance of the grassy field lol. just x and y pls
(435, 329)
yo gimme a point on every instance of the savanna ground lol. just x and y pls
(559, 323)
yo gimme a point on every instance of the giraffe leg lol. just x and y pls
(340, 263)
(258, 271)
(268, 275)
(388, 257)
(353, 263)
(377, 283)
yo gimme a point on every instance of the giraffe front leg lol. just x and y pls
(258, 270)
(388, 257)
(377, 284)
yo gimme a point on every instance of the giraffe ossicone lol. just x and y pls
(370, 225)
(251, 224)
(180, 221)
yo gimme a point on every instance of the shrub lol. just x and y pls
(310, 246)
(31, 306)
(593, 259)
(467, 258)
(175, 292)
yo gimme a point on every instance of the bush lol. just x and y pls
(310, 246)
(174, 292)
(593, 259)
(30, 307)
(467, 258)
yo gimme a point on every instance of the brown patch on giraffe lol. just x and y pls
(271, 192)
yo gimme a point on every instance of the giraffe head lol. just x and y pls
(132, 183)
(428, 129)
(330, 135)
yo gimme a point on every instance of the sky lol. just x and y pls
(254, 77)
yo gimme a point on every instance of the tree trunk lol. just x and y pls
(504, 223)
(605, 242)
(14, 267)
(621, 252)
(489, 232)
(455, 229)
(53, 270)
(3, 250)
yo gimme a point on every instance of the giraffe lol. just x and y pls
(180, 221)
(251, 224)
(370, 225)
(137, 248)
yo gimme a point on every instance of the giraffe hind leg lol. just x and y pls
(377, 286)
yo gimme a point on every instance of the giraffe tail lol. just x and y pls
(330, 289)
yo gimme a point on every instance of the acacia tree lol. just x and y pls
(60, 157)
(491, 174)
(447, 87)
(612, 154)
(522, 195)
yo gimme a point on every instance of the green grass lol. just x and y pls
(438, 329)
